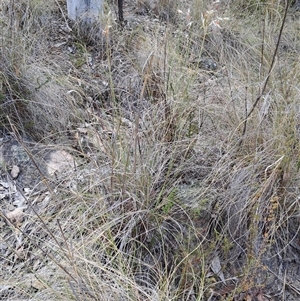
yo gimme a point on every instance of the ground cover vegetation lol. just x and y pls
(184, 125)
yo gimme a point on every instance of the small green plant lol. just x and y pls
(170, 202)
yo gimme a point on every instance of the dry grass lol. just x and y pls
(169, 183)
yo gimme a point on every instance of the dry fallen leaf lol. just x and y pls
(260, 297)
(248, 298)
(216, 268)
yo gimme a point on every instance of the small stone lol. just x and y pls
(27, 190)
(4, 185)
(208, 64)
(16, 216)
(60, 161)
(204, 63)
(15, 171)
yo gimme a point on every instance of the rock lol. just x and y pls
(15, 171)
(207, 63)
(33, 162)
(16, 216)
(59, 161)
(204, 63)
(87, 10)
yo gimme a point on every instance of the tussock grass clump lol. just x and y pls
(185, 135)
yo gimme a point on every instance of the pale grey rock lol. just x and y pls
(59, 161)
(15, 171)
(31, 163)
(87, 10)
